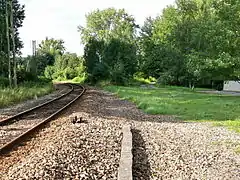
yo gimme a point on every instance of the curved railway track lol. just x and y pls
(14, 129)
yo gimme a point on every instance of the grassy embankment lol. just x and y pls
(23, 92)
(187, 105)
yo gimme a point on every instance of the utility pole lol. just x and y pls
(8, 46)
(34, 47)
(13, 42)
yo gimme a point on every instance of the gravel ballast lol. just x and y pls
(184, 151)
(88, 150)
(163, 147)
(63, 150)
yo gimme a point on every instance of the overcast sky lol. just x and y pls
(60, 18)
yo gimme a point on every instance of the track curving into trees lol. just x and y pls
(16, 128)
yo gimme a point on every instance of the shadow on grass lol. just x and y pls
(141, 165)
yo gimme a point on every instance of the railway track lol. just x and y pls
(16, 128)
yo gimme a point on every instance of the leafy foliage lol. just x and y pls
(192, 41)
(110, 45)
(47, 51)
(67, 66)
(12, 14)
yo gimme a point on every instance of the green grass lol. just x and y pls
(23, 92)
(233, 125)
(74, 80)
(236, 145)
(237, 150)
(187, 105)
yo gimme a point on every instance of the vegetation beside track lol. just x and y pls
(184, 103)
(29, 90)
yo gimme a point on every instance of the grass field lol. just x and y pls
(187, 105)
(25, 91)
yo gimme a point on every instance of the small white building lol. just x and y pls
(231, 86)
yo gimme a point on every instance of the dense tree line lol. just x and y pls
(191, 42)
(51, 61)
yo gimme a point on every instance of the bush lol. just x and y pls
(61, 79)
(43, 79)
(66, 69)
(79, 79)
(49, 72)
(80, 70)
(142, 78)
(103, 83)
(4, 81)
(70, 73)
(166, 79)
(99, 73)
(117, 74)
(23, 75)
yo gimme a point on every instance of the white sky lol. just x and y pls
(60, 18)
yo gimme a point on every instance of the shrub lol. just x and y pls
(23, 75)
(69, 73)
(79, 79)
(4, 81)
(61, 79)
(49, 72)
(142, 78)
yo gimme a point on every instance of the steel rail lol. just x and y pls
(8, 120)
(7, 147)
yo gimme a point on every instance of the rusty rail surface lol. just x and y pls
(9, 146)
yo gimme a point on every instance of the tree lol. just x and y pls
(102, 25)
(8, 45)
(13, 44)
(192, 42)
(11, 18)
(51, 46)
(110, 44)
(67, 66)
(160, 57)
(47, 52)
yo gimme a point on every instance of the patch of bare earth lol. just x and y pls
(163, 147)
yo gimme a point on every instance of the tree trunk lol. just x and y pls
(8, 46)
(193, 86)
(2, 36)
(13, 48)
(190, 84)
